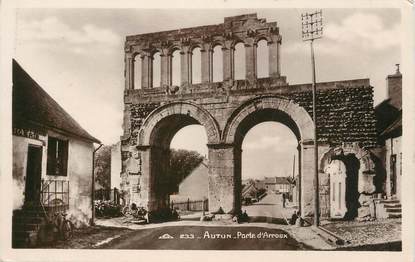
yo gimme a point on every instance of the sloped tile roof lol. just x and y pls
(276, 180)
(248, 188)
(31, 104)
(394, 129)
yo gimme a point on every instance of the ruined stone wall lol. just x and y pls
(152, 115)
(345, 108)
(246, 29)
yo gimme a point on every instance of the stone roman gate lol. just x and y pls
(227, 110)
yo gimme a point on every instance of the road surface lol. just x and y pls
(268, 209)
(206, 238)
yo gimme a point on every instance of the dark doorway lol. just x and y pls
(33, 174)
(393, 174)
(352, 176)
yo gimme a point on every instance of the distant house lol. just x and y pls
(194, 186)
(277, 184)
(389, 128)
(52, 158)
(249, 191)
(259, 184)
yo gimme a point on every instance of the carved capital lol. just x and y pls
(221, 146)
(308, 142)
(142, 147)
(128, 48)
(251, 33)
(129, 56)
(165, 44)
(273, 30)
(185, 41)
(206, 39)
(227, 44)
(249, 42)
(228, 35)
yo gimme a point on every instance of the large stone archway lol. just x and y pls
(225, 158)
(194, 114)
(153, 146)
(361, 169)
(298, 120)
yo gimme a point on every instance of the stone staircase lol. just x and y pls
(388, 208)
(26, 225)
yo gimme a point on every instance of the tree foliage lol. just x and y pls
(102, 164)
(182, 163)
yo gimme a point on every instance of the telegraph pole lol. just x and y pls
(312, 29)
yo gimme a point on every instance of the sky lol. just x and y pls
(77, 56)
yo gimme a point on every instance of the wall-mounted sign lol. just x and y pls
(25, 133)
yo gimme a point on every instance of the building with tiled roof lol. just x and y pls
(389, 129)
(52, 161)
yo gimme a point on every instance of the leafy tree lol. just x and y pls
(182, 163)
(102, 165)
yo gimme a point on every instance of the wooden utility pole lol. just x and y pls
(312, 28)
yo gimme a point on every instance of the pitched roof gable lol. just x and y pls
(32, 104)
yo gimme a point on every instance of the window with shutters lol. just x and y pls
(57, 162)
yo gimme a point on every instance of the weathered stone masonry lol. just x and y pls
(228, 109)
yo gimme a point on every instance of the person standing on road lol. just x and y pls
(283, 200)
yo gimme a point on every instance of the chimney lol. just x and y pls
(394, 85)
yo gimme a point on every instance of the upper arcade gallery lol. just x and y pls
(196, 55)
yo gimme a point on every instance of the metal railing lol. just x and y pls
(189, 205)
(54, 195)
(113, 195)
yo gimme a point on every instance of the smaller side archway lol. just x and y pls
(239, 63)
(156, 69)
(137, 70)
(196, 65)
(217, 63)
(262, 58)
(360, 172)
(175, 67)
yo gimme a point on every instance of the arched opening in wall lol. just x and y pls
(239, 61)
(180, 169)
(196, 66)
(175, 68)
(351, 192)
(137, 71)
(262, 59)
(269, 164)
(188, 163)
(217, 61)
(156, 68)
